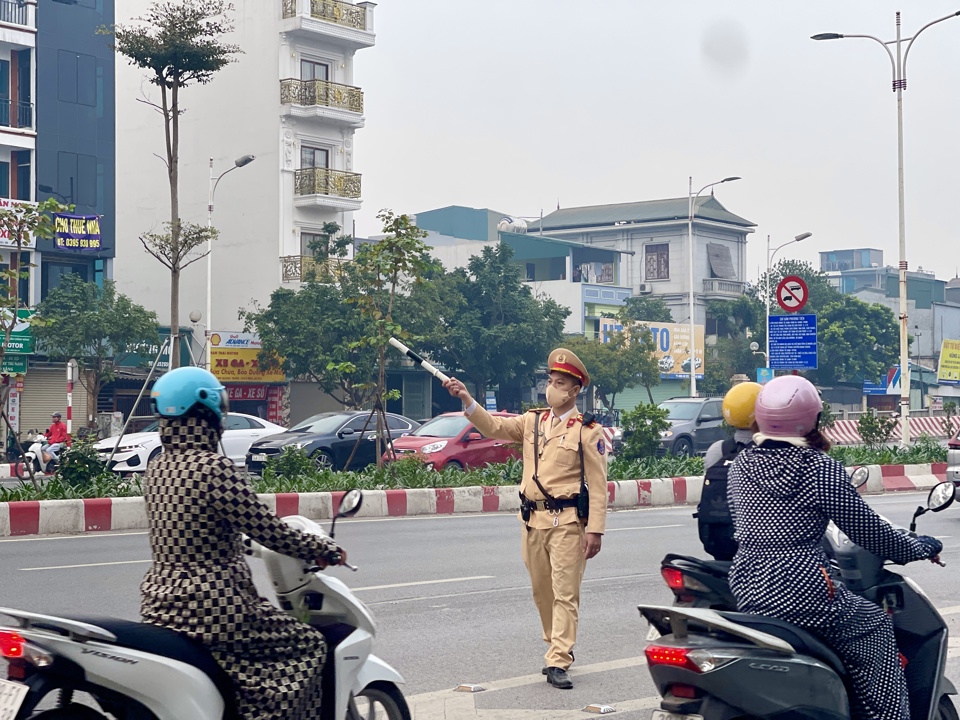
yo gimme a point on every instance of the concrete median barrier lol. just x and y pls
(47, 517)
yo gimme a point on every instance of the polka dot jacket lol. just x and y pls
(199, 584)
(781, 498)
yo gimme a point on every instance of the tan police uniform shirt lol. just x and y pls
(559, 461)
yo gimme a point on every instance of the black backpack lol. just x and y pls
(714, 522)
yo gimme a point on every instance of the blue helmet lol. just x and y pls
(185, 388)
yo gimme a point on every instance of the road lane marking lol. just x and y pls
(642, 527)
(518, 588)
(80, 536)
(423, 582)
(88, 565)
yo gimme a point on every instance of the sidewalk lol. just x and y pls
(99, 514)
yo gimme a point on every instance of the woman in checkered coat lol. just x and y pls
(198, 507)
(782, 494)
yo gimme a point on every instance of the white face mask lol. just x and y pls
(556, 398)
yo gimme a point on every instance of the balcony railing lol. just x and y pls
(294, 268)
(13, 12)
(716, 286)
(321, 92)
(323, 181)
(16, 114)
(333, 11)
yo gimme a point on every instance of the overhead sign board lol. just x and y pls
(764, 375)
(792, 293)
(793, 342)
(671, 346)
(234, 358)
(21, 339)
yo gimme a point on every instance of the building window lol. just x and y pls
(310, 70)
(52, 273)
(312, 157)
(4, 179)
(24, 179)
(77, 78)
(77, 179)
(657, 261)
(309, 242)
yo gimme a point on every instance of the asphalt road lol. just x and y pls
(452, 600)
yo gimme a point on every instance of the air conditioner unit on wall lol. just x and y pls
(644, 288)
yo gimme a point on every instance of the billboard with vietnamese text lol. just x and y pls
(672, 346)
(948, 372)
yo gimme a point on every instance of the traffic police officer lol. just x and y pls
(564, 479)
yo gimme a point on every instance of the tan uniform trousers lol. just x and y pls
(554, 559)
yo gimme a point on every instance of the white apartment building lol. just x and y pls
(289, 99)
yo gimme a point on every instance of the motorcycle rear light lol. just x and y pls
(663, 655)
(17, 670)
(677, 581)
(11, 644)
(697, 660)
(673, 578)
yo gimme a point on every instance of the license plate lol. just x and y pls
(12, 695)
(664, 715)
(260, 457)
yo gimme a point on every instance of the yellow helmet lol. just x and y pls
(739, 404)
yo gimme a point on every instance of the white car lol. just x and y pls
(135, 450)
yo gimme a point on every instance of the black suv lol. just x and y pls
(695, 424)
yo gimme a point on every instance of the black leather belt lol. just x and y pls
(558, 504)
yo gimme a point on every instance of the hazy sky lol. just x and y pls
(516, 104)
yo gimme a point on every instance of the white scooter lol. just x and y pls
(35, 461)
(137, 671)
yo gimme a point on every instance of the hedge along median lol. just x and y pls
(33, 517)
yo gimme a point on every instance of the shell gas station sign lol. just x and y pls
(234, 358)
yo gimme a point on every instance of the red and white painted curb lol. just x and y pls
(48, 517)
(9, 470)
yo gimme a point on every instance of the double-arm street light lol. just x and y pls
(898, 65)
(766, 289)
(214, 181)
(691, 203)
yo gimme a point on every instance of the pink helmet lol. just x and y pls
(788, 406)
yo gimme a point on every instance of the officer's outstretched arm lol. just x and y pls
(504, 428)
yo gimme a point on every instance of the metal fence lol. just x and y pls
(16, 114)
(13, 12)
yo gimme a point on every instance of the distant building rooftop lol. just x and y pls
(648, 211)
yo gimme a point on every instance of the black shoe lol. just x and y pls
(559, 679)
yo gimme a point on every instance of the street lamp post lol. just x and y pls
(899, 66)
(691, 202)
(214, 181)
(798, 238)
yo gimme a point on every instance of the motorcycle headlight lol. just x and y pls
(433, 447)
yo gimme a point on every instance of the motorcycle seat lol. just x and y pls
(170, 644)
(802, 641)
(717, 568)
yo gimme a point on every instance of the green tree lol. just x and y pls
(617, 364)
(316, 332)
(730, 356)
(820, 291)
(645, 308)
(875, 429)
(177, 43)
(383, 271)
(96, 326)
(492, 329)
(641, 431)
(858, 341)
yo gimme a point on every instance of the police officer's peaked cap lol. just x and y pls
(563, 360)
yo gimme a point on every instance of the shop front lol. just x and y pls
(234, 359)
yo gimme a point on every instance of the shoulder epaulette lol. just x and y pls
(537, 410)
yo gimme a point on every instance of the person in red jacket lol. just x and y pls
(56, 437)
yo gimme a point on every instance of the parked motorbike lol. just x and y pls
(137, 671)
(41, 463)
(718, 665)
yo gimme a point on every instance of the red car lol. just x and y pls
(450, 440)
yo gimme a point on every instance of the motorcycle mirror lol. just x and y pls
(349, 506)
(941, 496)
(921, 510)
(859, 476)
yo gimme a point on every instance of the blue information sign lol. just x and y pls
(490, 401)
(793, 342)
(764, 375)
